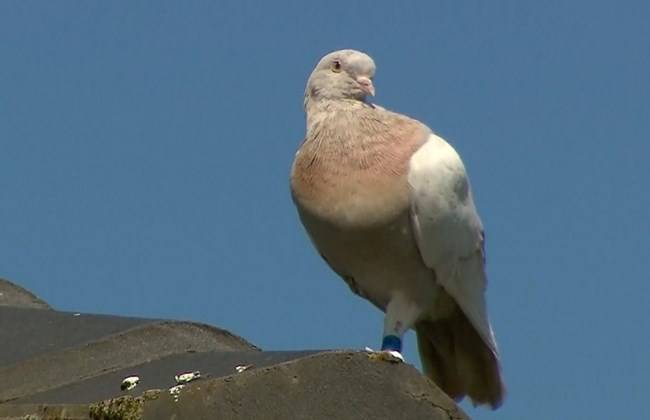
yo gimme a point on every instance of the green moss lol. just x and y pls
(151, 394)
(122, 408)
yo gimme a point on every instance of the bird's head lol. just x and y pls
(343, 74)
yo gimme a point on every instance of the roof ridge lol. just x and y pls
(26, 299)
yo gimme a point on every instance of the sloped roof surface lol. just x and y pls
(70, 365)
(13, 295)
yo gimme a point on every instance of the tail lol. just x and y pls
(455, 357)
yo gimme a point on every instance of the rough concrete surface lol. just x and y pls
(334, 385)
(159, 374)
(65, 365)
(13, 295)
(324, 386)
(131, 347)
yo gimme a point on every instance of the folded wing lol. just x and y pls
(448, 229)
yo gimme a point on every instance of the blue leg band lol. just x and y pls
(392, 342)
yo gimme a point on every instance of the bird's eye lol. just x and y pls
(336, 66)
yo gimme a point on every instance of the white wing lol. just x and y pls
(448, 229)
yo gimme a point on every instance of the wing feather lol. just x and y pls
(448, 229)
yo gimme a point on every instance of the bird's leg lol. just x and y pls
(401, 314)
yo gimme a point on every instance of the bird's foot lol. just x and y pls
(391, 356)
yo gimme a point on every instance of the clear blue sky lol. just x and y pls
(145, 150)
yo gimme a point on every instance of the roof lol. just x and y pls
(71, 365)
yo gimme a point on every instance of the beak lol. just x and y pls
(366, 85)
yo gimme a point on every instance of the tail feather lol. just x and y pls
(433, 362)
(455, 357)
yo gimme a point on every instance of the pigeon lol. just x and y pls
(387, 204)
